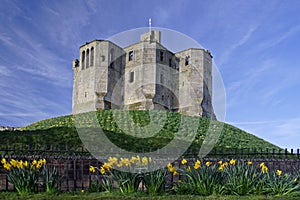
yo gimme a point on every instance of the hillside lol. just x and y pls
(61, 131)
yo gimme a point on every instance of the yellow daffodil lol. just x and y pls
(92, 169)
(262, 165)
(225, 164)
(264, 169)
(102, 170)
(112, 161)
(20, 164)
(232, 162)
(172, 169)
(222, 167)
(184, 161)
(220, 162)
(123, 161)
(7, 166)
(196, 166)
(198, 162)
(107, 166)
(250, 163)
(188, 169)
(278, 172)
(34, 162)
(169, 165)
(3, 161)
(13, 162)
(145, 160)
(208, 163)
(175, 173)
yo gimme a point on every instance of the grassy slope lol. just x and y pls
(61, 131)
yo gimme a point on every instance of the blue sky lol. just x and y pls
(255, 45)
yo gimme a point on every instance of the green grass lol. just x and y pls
(107, 196)
(60, 131)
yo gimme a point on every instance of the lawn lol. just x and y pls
(92, 196)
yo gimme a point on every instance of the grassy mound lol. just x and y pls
(62, 131)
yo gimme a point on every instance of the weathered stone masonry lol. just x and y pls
(143, 76)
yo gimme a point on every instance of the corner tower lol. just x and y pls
(92, 87)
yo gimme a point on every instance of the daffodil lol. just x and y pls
(92, 169)
(184, 161)
(278, 172)
(262, 165)
(220, 162)
(175, 173)
(13, 162)
(102, 170)
(264, 169)
(107, 166)
(208, 163)
(7, 166)
(112, 160)
(196, 166)
(232, 162)
(198, 162)
(250, 163)
(3, 161)
(188, 169)
(145, 160)
(222, 167)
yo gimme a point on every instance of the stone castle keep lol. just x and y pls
(142, 76)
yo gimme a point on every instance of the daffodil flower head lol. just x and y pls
(184, 161)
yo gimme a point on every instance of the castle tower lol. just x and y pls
(196, 69)
(143, 76)
(99, 68)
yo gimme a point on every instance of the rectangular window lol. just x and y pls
(161, 56)
(131, 77)
(130, 55)
(161, 78)
(187, 60)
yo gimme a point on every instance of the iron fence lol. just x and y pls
(72, 163)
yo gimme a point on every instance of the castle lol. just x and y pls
(142, 76)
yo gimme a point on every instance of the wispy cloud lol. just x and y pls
(4, 71)
(228, 52)
(280, 132)
(279, 38)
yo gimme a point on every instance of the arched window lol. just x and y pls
(87, 58)
(92, 57)
(82, 59)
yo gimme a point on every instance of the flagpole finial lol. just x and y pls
(149, 24)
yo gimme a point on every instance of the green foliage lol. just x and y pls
(281, 185)
(204, 181)
(128, 183)
(50, 179)
(154, 181)
(243, 179)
